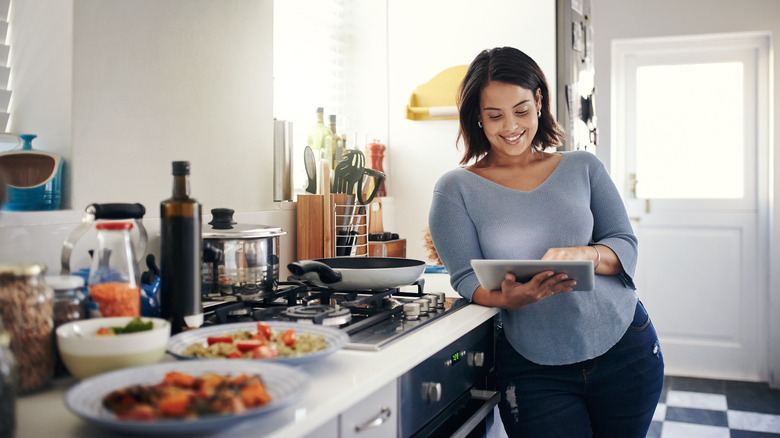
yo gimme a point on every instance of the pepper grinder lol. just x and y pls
(376, 152)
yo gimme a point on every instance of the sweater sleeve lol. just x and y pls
(455, 239)
(611, 226)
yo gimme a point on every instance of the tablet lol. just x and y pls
(490, 273)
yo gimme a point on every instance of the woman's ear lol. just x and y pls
(538, 99)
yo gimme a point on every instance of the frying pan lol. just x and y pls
(359, 273)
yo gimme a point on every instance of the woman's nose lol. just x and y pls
(510, 123)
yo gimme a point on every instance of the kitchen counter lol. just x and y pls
(338, 382)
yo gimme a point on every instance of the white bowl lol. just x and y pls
(86, 355)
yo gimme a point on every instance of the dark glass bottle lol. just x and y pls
(180, 254)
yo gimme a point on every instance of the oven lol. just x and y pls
(451, 394)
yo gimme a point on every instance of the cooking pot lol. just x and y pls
(239, 259)
(359, 273)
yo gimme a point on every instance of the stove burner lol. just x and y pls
(331, 316)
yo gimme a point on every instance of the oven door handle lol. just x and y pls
(491, 399)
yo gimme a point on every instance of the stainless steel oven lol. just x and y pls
(450, 393)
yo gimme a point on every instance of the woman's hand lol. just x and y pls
(518, 295)
(605, 262)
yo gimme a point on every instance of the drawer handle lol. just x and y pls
(383, 416)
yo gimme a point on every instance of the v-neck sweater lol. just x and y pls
(578, 204)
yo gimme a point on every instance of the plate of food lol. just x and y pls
(279, 341)
(185, 396)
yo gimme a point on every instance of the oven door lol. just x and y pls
(450, 382)
(471, 416)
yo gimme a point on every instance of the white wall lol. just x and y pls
(122, 88)
(615, 19)
(426, 38)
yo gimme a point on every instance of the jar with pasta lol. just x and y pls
(26, 308)
(113, 276)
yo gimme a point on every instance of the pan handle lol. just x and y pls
(326, 273)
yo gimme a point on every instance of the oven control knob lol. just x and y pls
(476, 359)
(432, 391)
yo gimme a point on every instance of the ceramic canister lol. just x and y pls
(33, 178)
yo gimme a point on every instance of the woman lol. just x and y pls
(568, 363)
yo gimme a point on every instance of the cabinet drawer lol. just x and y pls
(373, 417)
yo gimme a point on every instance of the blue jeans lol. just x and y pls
(611, 396)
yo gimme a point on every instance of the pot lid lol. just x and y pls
(222, 226)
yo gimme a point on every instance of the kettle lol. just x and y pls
(95, 212)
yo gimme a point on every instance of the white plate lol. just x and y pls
(490, 273)
(334, 337)
(285, 385)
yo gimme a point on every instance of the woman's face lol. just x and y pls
(508, 115)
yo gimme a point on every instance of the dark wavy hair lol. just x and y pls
(512, 66)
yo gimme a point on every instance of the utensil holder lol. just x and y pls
(350, 223)
(311, 233)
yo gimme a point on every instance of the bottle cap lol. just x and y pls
(181, 168)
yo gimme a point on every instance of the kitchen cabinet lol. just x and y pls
(327, 430)
(376, 416)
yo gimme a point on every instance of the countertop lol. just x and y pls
(338, 382)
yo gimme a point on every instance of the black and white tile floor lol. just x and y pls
(704, 408)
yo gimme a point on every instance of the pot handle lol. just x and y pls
(326, 273)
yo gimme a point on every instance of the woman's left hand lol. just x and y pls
(605, 262)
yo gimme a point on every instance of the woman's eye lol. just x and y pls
(521, 113)
(494, 117)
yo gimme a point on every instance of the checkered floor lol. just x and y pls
(703, 408)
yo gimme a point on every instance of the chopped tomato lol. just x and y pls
(265, 352)
(249, 344)
(289, 337)
(264, 329)
(217, 339)
(235, 355)
(259, 337)
(103, 331)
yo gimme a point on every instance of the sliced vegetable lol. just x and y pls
(249, 344)
(264, 329)
(289, 337)
(135, 325)
(219, 339)
(235, 355)
(103, 331)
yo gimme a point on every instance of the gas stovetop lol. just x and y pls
(372, 318)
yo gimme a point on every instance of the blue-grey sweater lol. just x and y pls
(578, 204)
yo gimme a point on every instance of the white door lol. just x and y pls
(689, 118)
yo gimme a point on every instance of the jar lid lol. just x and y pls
(23, 269)
(64, 282)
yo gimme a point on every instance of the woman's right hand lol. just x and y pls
(542, 285)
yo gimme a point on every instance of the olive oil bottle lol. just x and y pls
(180, 254)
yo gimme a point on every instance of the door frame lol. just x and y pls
(621, 52)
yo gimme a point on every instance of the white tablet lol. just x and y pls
(490, 273)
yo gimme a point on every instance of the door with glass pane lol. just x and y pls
(688, 119)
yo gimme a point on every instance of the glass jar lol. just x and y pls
(7, 386)
(26, 308)
(68, 306)
(113, 277)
